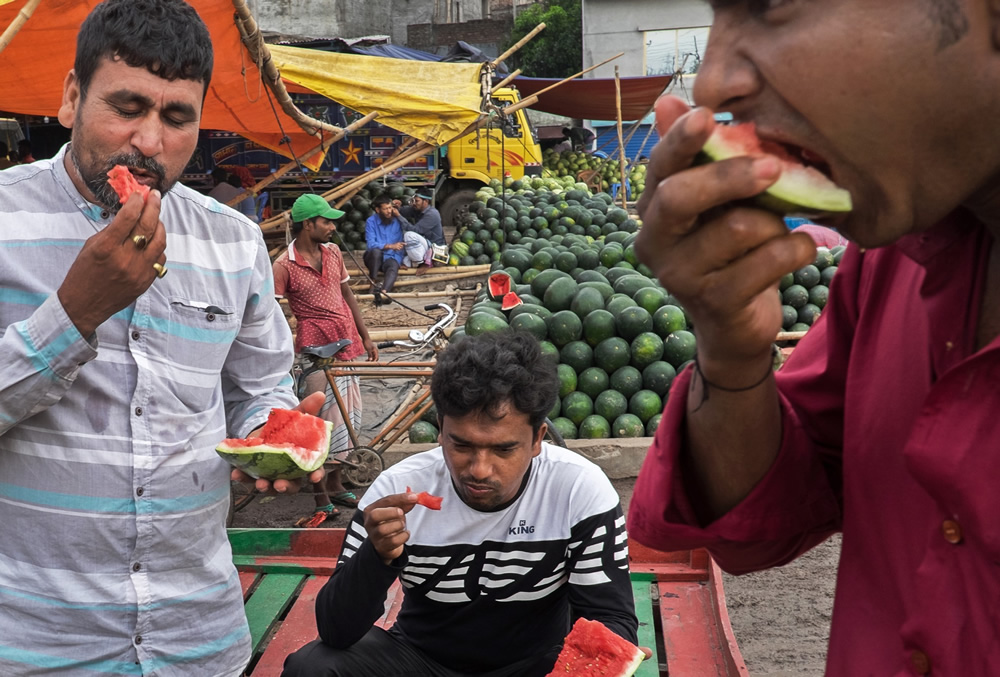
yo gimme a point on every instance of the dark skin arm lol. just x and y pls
(110, 256)
(359, 322)
(724, 265)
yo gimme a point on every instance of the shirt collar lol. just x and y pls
(923, 247)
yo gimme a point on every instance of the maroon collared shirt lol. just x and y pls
(891, 435)
(317, 301)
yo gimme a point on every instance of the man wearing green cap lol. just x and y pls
(422, 231)
(312, 276)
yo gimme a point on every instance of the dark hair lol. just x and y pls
(167, 37)
(234, 181)
(219, 175)
(382, 199)
(297, 227)
(486, 372)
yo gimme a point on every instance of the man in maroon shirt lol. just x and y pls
(311, 274)
(883, 424)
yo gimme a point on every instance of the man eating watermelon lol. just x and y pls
(529, 537)
(115, 384)
(883, 423)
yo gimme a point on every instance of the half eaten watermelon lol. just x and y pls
(801, 189)
(510, 301)
(290, 445)
(498, 285)
(124, 183)
(592, 649)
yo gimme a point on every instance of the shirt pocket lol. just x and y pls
(198, 339)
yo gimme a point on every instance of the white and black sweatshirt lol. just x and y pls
(487, 589)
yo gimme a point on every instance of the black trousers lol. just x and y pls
(376, 260)
(385, 654)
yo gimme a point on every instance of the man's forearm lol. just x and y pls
(733, 439)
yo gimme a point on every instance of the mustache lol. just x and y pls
(103, 191)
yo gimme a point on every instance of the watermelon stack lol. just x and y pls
(618, 336)
(571, 163)
(536, 209)
(804, 293)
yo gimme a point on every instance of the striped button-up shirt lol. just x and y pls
(114, 557)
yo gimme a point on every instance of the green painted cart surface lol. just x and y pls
(678, 600)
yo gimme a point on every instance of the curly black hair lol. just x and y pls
(486, 373)
(167, 37)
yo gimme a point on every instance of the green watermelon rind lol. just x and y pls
(272, 463)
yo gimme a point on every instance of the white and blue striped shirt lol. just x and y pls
(113, 551)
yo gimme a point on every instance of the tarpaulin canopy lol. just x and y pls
(34, 66)
(431, 101)
(594, 99)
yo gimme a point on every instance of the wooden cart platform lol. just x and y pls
(678, 597)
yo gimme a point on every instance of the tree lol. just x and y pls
(557, 51)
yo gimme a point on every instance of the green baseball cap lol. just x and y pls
(310, 205)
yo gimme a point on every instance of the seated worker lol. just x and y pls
(423, 230)
(384, 236)
(248, 205)
(312, 276)
(530, 537)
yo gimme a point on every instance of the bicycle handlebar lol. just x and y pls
(385, 344)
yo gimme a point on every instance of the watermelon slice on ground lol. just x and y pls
(801, 189)
(124, 183)
(290, 445)
(591, 649)
(498, 285)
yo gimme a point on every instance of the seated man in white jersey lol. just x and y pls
(529, 537)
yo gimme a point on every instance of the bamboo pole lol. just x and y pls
(423, 295)
(18, 23)
(435, 271)
(621, 142)
(289, 166)
(261, 55)
(518, 45)
(425, 280)
(506, 81)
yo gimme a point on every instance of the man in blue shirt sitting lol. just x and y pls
(384, 235)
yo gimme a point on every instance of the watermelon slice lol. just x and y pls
(123, 183)
(591, 649)
(510, 301)
(498, 285)
(800, 189)
(290, 445)
(427, 500)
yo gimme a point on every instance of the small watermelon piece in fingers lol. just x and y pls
(124, 183)
(427, 500)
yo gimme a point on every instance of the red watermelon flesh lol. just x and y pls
(591, 650)
(124, 183)
(510, 301)
(499, 285)
(291, 444)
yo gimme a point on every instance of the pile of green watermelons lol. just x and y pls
(352, 226)
(533, 209)
(804, 292)
(571, 163)
(618, 336)
(425, 430)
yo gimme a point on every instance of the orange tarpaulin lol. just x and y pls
(34, 65)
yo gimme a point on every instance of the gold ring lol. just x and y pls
(140, 242)
(160, 269)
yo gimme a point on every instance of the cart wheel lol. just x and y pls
(362, 466)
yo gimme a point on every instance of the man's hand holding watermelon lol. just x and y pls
(310, 405)
(112, 256)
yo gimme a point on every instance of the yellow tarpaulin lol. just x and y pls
(431, 101)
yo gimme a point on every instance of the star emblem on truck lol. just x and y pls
(352, 153)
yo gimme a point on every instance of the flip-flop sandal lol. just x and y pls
(345, 498)
(317, 518)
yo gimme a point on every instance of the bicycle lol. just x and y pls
(364, 462)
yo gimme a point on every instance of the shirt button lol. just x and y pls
(105, 214)
(135, 336)
(949, 345)
(138, 639)
(920, 662)
(136, 567)
(210, 317)
(140, 491)
(138, 411)
(952, 532)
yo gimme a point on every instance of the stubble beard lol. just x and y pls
(97, 180)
